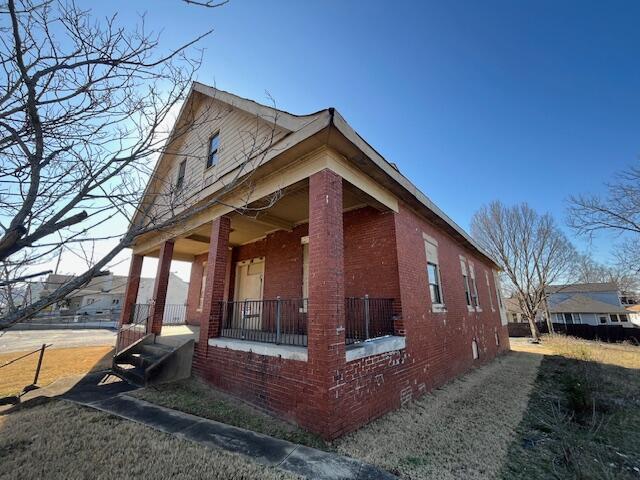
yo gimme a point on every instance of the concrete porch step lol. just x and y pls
(141, 359)
(131, 373)
(155, 349)
(148, 362)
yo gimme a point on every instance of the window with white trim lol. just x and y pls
(486, 277)
(475, 301)
(214, 146)
(571, 318)
(181, 172)
(496, 284)
(614, 317)
(433, 273)
(465, 280)
(624, 317)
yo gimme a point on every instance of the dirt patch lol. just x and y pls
(462, 430)
(66, 441)
(57, 363)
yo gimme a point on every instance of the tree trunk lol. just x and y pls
(535, 333)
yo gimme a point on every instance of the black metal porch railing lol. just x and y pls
(367, 318)
(284, 322)
(174, 314)
(137, 328)
(277, 321)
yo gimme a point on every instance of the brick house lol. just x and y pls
(344, 294)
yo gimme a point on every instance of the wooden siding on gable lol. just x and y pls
(242, 137)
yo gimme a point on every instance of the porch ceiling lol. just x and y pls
(290, 210)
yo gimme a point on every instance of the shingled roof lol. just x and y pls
(583, 288)
(584, 304)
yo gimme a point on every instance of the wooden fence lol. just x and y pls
(605, 333)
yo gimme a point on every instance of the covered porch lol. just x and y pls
(253, 271)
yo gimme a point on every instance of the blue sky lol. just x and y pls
(475, 101)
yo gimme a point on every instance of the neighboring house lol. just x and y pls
(515, 314)
(513, 310)
(103, 294)
(587, 303)
(350, 295)
(634, 315)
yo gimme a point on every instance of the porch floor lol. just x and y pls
(177, 334)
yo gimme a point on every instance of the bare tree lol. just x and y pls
(587, 270)
(529, 247)
(617, 212)
(84, 112)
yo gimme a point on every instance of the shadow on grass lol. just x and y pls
(582, 422)
(96, 384)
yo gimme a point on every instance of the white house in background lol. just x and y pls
(634, 315)
(587, 303)
(106, 293)
(176, 291)
(514, 312)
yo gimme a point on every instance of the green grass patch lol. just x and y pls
(194, 397)
(583, 417)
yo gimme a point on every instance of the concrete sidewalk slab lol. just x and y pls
(298, 459)
(84, 388)
(261, 448)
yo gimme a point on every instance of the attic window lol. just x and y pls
(214, 145)
(181, 169)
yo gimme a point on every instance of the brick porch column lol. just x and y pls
(193, 294)
(131, 292)
(160, 286)
(326, 334)
(211, 319)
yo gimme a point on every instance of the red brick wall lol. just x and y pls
(438, 344)
(370, 260)
(272, 383)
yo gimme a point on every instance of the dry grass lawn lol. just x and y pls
(617, 354)
(192, 396)
(462, 430)
(583, 418)
(59, 440)
(57, 363)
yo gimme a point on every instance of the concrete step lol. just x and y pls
(131, 373)
(154, 349)
(134, 364)
(141, 359)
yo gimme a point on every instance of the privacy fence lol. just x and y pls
(605, 333)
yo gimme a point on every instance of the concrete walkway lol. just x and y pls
(297, 459)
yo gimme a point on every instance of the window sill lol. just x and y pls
(470, 309)
(376, 346)
(288, 352)
(439, 308)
